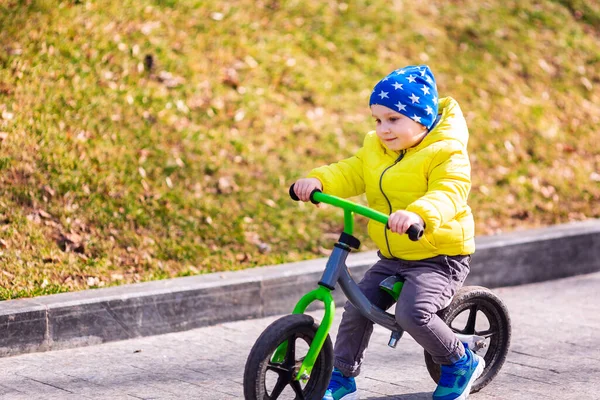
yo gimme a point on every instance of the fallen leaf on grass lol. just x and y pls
(231, 78)
(242, 257)
(225, 186)
(71, 242)
(8, 274)
(169, 79)
(44, 214)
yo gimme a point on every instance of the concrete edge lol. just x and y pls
(95, 316)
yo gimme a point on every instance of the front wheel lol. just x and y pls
(476, 310)
(265, 379)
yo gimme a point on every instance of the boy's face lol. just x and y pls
(396, 131)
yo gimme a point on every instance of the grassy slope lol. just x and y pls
(145, 140)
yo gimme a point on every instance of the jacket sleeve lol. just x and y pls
(344, 178)
(448, 188)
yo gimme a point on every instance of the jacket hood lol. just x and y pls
(451, 126)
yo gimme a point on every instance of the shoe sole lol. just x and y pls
(476, 374)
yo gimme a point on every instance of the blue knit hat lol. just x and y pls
(410, 91)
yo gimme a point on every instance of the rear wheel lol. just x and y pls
(476, 310)
(265, 379)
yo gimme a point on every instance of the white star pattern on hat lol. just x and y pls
(409, 90)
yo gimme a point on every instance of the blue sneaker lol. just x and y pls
(456, 380)
(341, 387)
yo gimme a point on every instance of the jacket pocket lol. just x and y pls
(428, 243)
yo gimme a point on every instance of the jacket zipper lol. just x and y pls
(400, 157)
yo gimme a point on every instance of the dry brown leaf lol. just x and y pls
(44, 214)
(231, 78)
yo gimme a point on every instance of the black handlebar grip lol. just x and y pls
(312, 200)
(296, 198)
(415, 231)
(293, 194)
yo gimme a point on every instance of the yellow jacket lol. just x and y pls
(432, 179)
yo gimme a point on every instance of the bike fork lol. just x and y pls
(323, 294)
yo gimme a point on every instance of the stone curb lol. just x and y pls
(95, 316)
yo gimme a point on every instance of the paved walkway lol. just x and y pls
(555, 355)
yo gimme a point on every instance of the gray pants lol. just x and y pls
(428, 287)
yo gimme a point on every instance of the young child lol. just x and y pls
(414, 167)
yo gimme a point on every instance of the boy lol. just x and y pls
(414, 167)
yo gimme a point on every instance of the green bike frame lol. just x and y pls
(336, 271)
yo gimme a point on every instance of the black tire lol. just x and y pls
(290, 327)
(473, 299)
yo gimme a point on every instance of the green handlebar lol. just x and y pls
(350, 206)
(414, 231)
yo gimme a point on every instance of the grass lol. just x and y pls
(155, 139)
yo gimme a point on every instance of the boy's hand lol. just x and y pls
(400, 221)
(304, 187)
